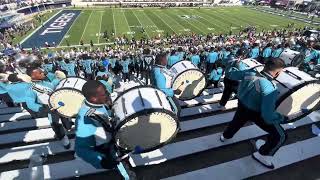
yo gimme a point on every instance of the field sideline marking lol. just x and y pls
(100, 27)
(69, 28)
(39, 27)
(114, 23)
(85, 27)
(141, 24)
(127, 24)
(164, 22)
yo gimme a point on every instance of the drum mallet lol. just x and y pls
(61, 104)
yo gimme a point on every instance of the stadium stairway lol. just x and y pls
(196, 152)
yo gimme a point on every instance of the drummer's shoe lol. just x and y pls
(259, 143)
(263, 160)
(65, 141)
(222, 138)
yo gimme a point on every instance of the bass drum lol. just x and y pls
(144, 118)
(67, 97)
(188, 78)
(299, 93)
(252, 63)
(292, 58)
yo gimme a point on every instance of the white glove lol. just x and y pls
(4, 77)
(60, 75)
(24, 78)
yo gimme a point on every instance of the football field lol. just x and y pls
(92, 24)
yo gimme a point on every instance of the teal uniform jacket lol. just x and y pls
(313, 57)
(21, 92)
(225, 55)
(267, 52)
(107, 86)
(161, 81)
(258, 93)
(216, 74)
(212, 57)
(195, 59)
(125, 65)
(86, 129)
(233, 65)
(173, 59)
(112, 62)
(48, 67)
(254, 53)
(88, 64)
(181, 55)
(276, 53)
(71, 69)
(3, 87)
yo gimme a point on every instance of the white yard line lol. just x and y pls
(100, 27)
(140, 23)
(39, 28)
(151, 21)
(165, 22)
(114, 23)
(70, 28)
(189, 24)
(127, 23)
(85, 27)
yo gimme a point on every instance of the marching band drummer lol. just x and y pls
(231, 86)
(92, 111)
(162, 78)
(39, 92)
(312, 59)
(257, 101)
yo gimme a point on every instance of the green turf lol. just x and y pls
(151, 22)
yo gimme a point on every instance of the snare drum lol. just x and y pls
(144, 118)
(67, 97)
(299, 93)
(188, 78)
(252, 63)
(292, 58)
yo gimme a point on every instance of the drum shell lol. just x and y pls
(122, 117)
(76, 88)
(252, 63)
(289, 88)
(181, 67)
(292, 58)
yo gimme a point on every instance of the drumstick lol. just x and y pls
(61, 104)
(181, 84)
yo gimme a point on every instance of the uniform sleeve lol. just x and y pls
(31, 101)
(85, 142)
(309, 58)
(268, 103)
(160, 82)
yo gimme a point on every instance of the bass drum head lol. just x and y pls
(70, 98)
(297, 60)
(149, 130)
(300, 101)
(194, 82)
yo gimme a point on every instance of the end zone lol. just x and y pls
(53, 30)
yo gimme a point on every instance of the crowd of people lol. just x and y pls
(28, 78)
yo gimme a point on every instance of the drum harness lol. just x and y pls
(108, 125)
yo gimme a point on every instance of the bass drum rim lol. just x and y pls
(148, 111)
(133, 88)
(287, 94)
(65, 88)
(193, 69)
(297, 64)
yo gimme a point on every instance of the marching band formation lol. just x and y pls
(273, 76)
